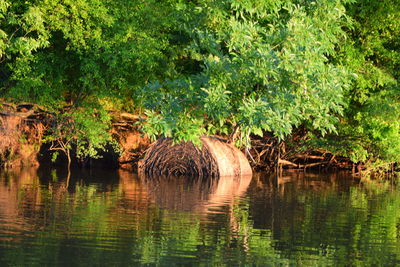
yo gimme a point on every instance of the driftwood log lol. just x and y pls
(214, 159)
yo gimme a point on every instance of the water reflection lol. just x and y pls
(195, 195)
(115, 218)
(19, 195)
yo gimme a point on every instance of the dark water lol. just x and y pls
(103, 218)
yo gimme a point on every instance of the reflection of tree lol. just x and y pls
(293, 219)
(187, 209)
(319, 217)
(19, 187)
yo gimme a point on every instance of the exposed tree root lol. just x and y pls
(269, 153)
(214, 159)
(22, 127)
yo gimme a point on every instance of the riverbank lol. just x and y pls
(294, 85)
(25, 131)
(27, 139)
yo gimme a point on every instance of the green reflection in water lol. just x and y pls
(115, 219)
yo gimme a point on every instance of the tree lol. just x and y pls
(81, 60)
(370, 129)
(228, 67)
(261, 67)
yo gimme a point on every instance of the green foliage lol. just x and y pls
(84, 130)
(370, 126)
(54, 156)
(78, 56)
(264, 66)
(211, 67)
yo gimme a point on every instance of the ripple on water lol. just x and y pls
(118, 219)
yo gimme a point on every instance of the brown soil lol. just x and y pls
(22, 128)
(132, 142)
(19, 138)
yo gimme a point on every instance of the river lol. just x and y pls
(113, 218)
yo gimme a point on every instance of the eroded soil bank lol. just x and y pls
(23, 142)
(23, 130)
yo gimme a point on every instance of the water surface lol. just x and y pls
(113, 218)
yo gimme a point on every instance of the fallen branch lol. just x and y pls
(286, 162)
(306, 156)
(283, 162)
(134, 117)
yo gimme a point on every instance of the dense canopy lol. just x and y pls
(239, 68)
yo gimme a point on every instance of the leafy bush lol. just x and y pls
(264, 67)
(229, 67)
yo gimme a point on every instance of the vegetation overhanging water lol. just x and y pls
(277, 78)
